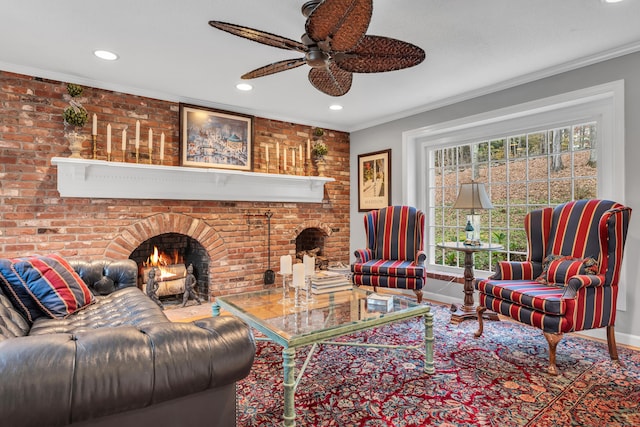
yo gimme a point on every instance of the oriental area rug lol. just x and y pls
(498, 379)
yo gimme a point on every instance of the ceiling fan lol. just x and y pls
(334, 45)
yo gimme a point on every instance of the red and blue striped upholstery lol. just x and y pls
(394, 255)
(580, 229)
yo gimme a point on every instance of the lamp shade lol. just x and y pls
(472, 196)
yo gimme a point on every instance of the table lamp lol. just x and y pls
(472, 196)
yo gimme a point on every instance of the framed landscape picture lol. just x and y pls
(215, 139)
(374, 180)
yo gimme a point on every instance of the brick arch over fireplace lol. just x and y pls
(311, 224)
(132, 236)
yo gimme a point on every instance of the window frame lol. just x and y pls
(603, 104)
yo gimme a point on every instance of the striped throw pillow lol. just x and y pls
(44, 284)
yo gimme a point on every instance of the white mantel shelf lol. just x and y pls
(118, 180)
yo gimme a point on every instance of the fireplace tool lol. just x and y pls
(269, 275)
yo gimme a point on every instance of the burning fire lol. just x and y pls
(162, 260)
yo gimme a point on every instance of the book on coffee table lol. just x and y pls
(326, 281)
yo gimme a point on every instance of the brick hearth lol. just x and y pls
(34, 219)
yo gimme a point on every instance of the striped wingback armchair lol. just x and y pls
(570, 279)
(394, 256)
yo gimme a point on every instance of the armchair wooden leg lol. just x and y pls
(553, 340)
(418, 293)
(611, 342)
(480, 311)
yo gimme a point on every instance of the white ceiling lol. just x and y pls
(168, 51)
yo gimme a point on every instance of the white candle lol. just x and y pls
(293, 158)
(94, 129)
(109, 138)
(137, 134)
(309, 263)
(285, 264)
(284, 163)
(150, 140)
(124, 139)
(300, 153)
(266, 150)
(162, 146)
(298, 275)
(278, 152)
(308, 148)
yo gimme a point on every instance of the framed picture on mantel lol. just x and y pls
(374, 180)
(215, 139)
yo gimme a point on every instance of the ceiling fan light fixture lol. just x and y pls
(105, 54)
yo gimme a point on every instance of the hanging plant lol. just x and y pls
(318, 132)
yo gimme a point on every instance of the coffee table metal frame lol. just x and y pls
(263, 310)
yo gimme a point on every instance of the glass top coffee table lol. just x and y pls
(315, 322)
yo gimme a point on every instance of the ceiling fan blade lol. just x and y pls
(339, 25)
(376, 54)
(331, 80)
(259, 36)
(276, 67)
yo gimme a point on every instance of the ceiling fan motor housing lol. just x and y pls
(316, 58)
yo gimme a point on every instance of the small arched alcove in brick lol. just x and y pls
(198, 234)
(310, 238)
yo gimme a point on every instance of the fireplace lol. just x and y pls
(171, 253)
(311, 241)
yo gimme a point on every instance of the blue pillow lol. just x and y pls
(44, 285)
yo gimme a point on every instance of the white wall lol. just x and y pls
(389, 135)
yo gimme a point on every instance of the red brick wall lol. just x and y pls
(34, 219)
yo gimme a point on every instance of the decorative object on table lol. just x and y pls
(75, 117)
(472, 196)
(215, 139)
(394, 256)
(374, 180)
(323, 282)
(286, 271)
(563, 242)
(335, 45)
(379, 302)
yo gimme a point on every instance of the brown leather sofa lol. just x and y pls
(119, 361)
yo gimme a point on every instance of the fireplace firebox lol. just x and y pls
(171, 253)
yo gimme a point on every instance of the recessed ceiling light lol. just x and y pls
(611, 1)
(106, 55)
(335, 107)
(244, 86)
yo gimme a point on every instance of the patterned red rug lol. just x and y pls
(496, 380)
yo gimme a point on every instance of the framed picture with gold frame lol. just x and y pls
(215, 139)
(374, 180)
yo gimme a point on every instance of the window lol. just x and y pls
(541, 153)
(521, 173)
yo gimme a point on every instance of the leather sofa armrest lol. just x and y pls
(91, 374)
(105, 276)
